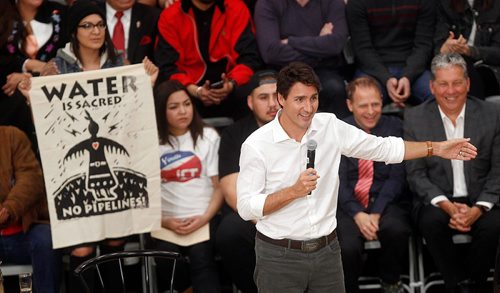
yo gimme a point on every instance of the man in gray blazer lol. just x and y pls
(455, 196)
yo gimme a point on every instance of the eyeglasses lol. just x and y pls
(90, 26)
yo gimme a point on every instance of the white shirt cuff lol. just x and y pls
(257, 205)
(438, 199)
(487, 205)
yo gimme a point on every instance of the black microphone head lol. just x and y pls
(312, 145)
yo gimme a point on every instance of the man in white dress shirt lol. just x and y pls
(296, 245)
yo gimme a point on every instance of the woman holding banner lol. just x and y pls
(90, 48)
(191, 194)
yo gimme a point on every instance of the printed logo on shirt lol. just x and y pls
(180, 166)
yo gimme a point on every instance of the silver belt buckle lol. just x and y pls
(311, 245)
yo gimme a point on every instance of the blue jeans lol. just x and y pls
(279, 269)
(419, 88)
(35, 248)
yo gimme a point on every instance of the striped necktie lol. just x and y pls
(365, 180)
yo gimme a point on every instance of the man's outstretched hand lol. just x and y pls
(455, 149)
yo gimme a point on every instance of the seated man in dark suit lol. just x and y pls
(371, 195)
(455, 196)
(236, 237)
(132, 26)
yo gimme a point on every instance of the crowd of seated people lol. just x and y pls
(221, 57)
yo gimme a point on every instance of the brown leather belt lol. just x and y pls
(302, 245)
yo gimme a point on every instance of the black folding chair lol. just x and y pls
(145, 255)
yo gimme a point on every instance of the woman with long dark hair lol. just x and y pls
(190, 189)
(472, 29)
(31, 31)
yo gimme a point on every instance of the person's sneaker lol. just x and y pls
(392, 288)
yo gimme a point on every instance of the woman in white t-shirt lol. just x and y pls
(190, 186)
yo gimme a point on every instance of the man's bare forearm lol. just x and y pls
(277, 200)
(452, 149)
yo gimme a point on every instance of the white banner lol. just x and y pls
(98, 141)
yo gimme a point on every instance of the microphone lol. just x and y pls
(311, 153)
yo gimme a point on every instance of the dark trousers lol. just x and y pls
(279, 269)
(332, 96)
(497, 269)
(433, 226)
(201, 267)
(234, 106)
(110, 271)
(393, 234)
(235, 242)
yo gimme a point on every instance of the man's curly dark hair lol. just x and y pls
(293, 73)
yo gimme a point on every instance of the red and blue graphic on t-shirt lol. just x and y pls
(180, 166)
